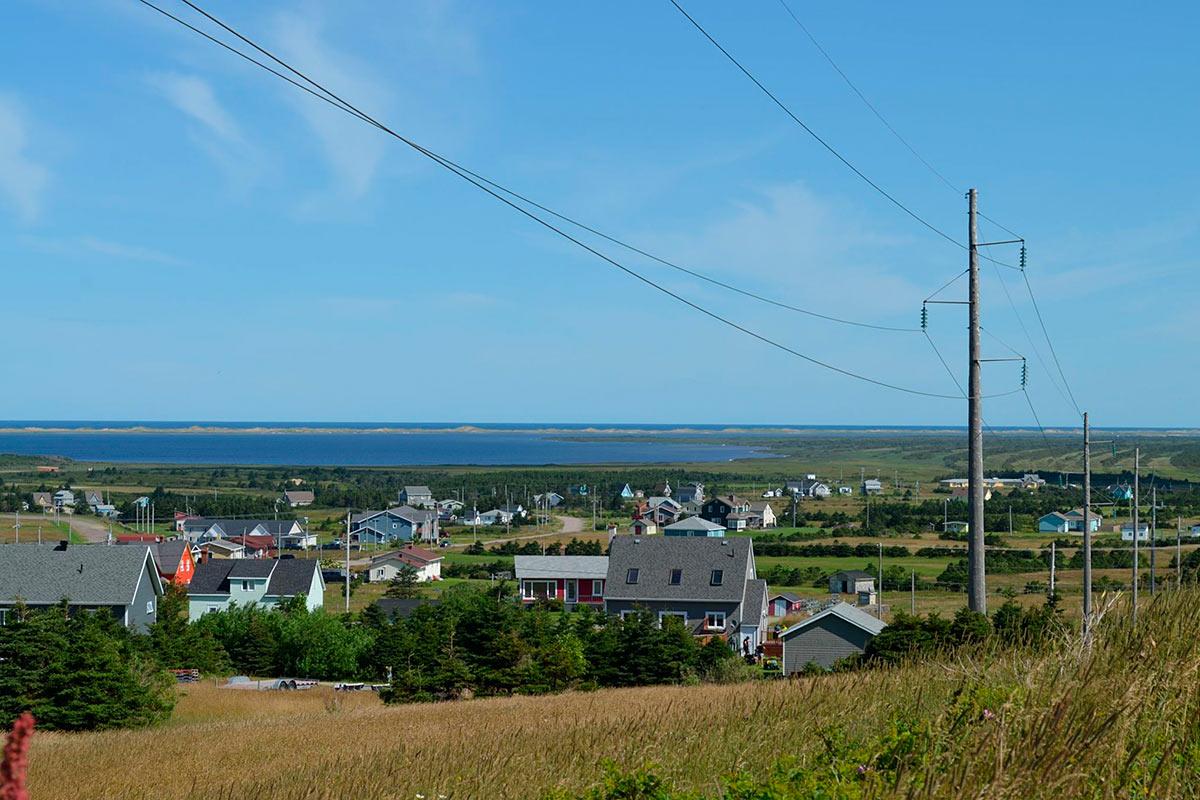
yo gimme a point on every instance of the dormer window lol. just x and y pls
(676, 577)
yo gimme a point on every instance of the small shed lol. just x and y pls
(824, 639)
(784, 603)
(851, 581)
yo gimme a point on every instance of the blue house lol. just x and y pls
(1121, 493)
(694, 526)
(627, 492)
(394, 525)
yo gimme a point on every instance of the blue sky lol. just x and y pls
(185, 237)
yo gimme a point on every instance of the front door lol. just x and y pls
(572, 590)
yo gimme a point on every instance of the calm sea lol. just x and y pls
(352, 444)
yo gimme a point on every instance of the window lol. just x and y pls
(149, 606)
(715, 620)
(627, 613)
(247, 585)
(534, 590)
(662, 615)
(632, 575)
(597, 588)
(3, 616)
(718, 577)
(213, 609)
(676, 577)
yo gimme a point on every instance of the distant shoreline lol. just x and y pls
(541, 430)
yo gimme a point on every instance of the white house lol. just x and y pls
(1143, 532)
(428, 565)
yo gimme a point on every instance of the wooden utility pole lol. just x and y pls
(976, 578)
(1137, 465)
(879, 594)
(1087, 525)
(1053, 564)
(1153, 535)
(1178, 551)
(347, 576)
(912, 593)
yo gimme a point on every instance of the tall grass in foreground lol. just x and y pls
(1118, 719)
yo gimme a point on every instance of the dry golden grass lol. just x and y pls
(1118, 719)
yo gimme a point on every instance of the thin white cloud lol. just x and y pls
(352, 149)
(195, 97)
(23, 181)
(128, 252)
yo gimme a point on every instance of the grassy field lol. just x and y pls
(1115, 719)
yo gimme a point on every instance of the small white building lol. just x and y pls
(1143, 532)
(428, 565)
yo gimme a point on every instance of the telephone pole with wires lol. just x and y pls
(976, 568)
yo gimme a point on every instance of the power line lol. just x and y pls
(832, 150)
(525, 199)
(1033, 345)
(450, 166)
(879, 115)
(1049, 343)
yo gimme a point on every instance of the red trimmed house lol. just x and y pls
(174, 558)
(571, 579)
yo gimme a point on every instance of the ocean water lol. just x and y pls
(348, 445)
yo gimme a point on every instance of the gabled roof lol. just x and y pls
(300, 496)
(853, 573)
(656, 556)
(655, 502)
(729, 500)
(286, 578)
(761, 508)
(855, 616)
(222, 544)
(408, 555)
(756, 598)
(167, 555)
(417, 490)
(239, 527)
(91, 575)
(560, 566)
(409, 514)
(791, 597)
(694, 524)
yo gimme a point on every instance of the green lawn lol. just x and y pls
(924, 567)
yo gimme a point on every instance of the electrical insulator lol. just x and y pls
(1022, 256)
(1024, 374)
(924, 317)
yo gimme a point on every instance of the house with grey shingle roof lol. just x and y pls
(399, 524)
(219, 584)
(827, 637)
(711, 584)
(417, 496)
(123, 581)
(299, 497)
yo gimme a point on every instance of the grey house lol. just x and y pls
(825, 638)
(417, 496)
(121, 580)
(709, 583)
